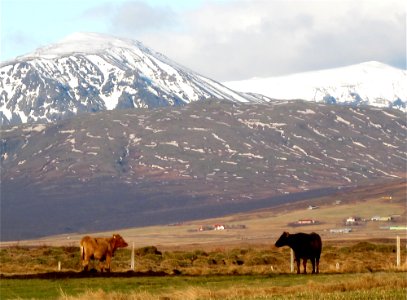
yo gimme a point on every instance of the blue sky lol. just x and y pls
(222, 39)
(28, 24)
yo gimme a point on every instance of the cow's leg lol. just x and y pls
(102, 266)
(108, 260)
(304, 263)
(317, 263)
(85, 263)
(298, 261)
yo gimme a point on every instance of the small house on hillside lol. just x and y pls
(312, 207)
(383, 219)
(340, 230)
(306, 221)
(219, 227)
(205, 228)
(350, 221)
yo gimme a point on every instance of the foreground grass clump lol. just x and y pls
(354, 257)
(379, 285)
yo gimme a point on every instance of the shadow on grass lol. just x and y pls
(90, 274)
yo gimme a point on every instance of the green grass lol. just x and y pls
(379, 285)
(366, 271)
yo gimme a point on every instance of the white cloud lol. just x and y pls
(237, 39)
(138, 16)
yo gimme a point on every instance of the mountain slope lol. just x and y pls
(88, 72)
(120, 168)
(370, 83)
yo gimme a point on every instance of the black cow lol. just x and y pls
(305, 246)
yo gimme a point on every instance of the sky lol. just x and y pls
(222, 39)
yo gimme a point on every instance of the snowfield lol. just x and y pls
(372, 83)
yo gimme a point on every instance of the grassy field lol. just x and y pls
(326, 286)
(236, 263)
(349, 270)
(343, 257)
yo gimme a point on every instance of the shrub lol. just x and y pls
(147, 250)
(153, 257)
(218, 258)
(238, 252)
(170, 264)
(191, 256)
(200, 253)
(364, 247)
(203, 262)
(258, 260)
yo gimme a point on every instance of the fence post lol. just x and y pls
(132, 267)
(398, 252)
(292, 261)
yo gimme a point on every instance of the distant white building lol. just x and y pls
(340, 230)
(219, 227)
(306, 221)
(379, 218)
(350, 221)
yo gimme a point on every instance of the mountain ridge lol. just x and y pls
(369, 83)
(126, 168)
(93, 72)
(90, 72)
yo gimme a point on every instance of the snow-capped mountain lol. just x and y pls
(371, 83)
(89, 72)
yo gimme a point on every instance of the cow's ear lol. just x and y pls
(286, 233)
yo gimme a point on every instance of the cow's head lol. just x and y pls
(119, 242)
(282, 241)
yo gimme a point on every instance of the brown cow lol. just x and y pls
(101, 249)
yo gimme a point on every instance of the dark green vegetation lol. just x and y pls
(129, 168)
(349, 269)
